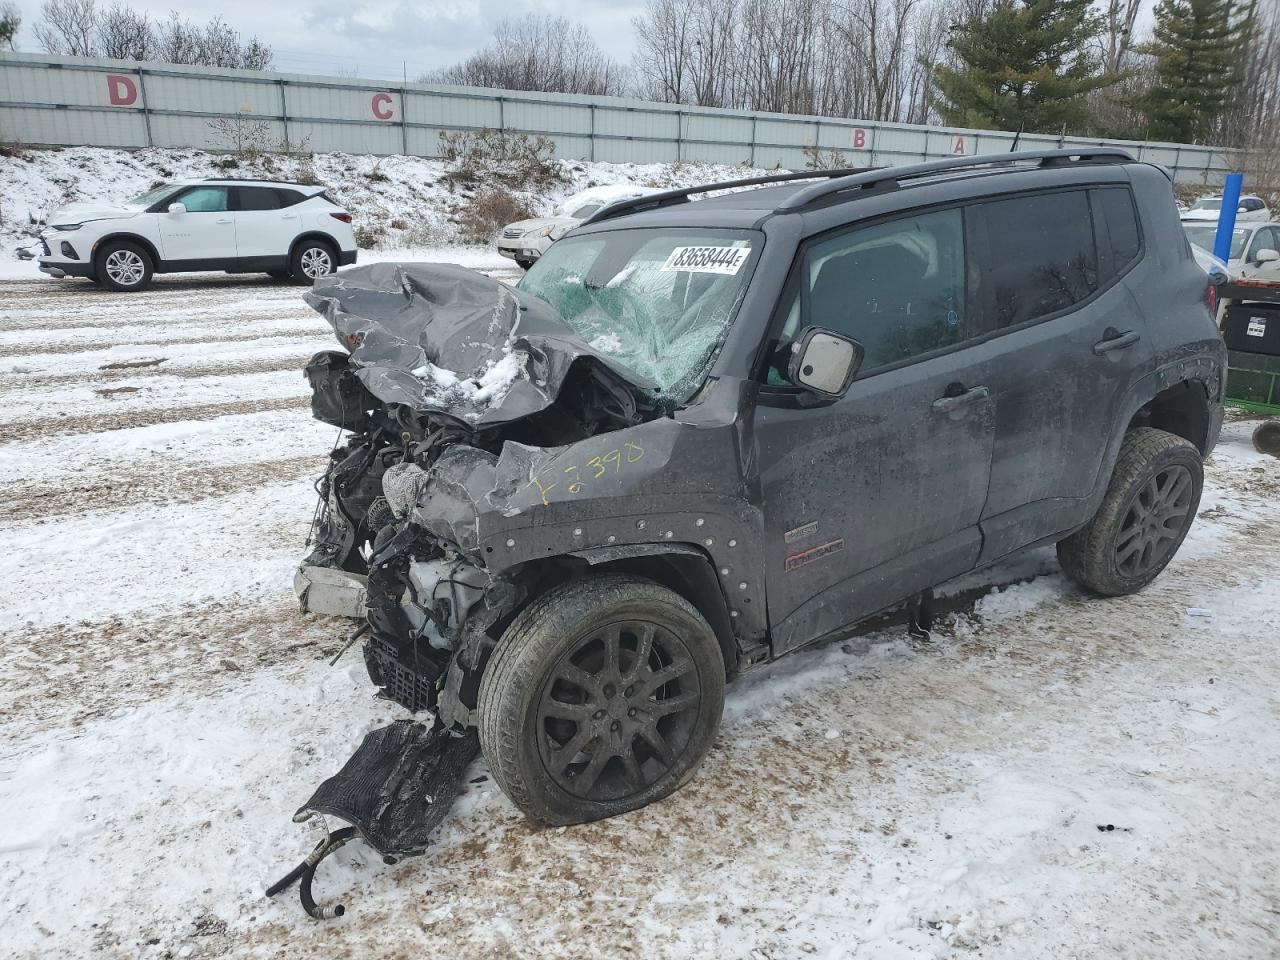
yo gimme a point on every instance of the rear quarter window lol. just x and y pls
(1119, 238)
(1040, 258)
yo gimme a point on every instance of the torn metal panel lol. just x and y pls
(439, 338)
(326, 590)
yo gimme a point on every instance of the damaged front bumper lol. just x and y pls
(331, 592)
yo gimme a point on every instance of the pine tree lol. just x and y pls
(1023, 66)
(1198, 47)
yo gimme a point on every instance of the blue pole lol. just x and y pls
(1227, 216)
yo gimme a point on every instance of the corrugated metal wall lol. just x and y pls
(55, 101)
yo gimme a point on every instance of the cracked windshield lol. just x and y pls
(657, 302)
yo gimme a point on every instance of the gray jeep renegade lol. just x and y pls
(711, 426)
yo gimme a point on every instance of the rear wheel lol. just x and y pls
(311, 260)
(601, 697)
(123, 266)
(1149, 506)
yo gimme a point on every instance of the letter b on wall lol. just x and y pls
(121, 90)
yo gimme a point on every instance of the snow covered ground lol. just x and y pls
(164, 710)
(399, 203)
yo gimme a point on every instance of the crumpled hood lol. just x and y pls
(440, 338)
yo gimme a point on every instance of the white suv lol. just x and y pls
(240, 226)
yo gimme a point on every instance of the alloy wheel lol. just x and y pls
(125, 267)
(316, 262)
(618, 710)
(1155, 522)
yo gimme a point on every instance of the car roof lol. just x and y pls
(747, 203)
(308, 188)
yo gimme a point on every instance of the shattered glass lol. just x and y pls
(631, 296)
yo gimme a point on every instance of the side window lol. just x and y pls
(289, 197)
(1268, 238)
(204, 199)
(1041, 255)
(898, 288)
(1119, 240)
(258, 198)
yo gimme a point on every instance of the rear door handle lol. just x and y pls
(222, 221)
(1113, 339)
(952, 405)
(289, 216)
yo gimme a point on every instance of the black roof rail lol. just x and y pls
(892, 177)
(668, 197)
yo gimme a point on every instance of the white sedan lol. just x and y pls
(1255, 247)
(1250, 210)
(527, 240)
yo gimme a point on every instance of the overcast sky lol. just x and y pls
(373, 39)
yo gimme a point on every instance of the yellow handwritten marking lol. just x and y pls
(543, 490)
(600, 464)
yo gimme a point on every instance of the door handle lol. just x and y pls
(1113, 339)
(289, 216)
(952, 405)
(222, 221)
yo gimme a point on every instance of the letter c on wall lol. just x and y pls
(381, 105)
(121, 90)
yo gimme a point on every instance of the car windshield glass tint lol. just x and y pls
(583, 212)
(658, 302)
(1203, 238)
(154, 195)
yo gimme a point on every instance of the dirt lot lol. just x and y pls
(163, 710)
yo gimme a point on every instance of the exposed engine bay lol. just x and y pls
(454, 387)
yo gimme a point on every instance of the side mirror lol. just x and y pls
(1266, 255)
(823, 362)
(177, 208)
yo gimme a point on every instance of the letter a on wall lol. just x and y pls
(121, 91)
(959, 146)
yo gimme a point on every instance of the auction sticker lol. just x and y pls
(1257, 327)
(726, 260)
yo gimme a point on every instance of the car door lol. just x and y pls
(875, 496)
(1073, 338)
(203, 235)
(265, 225)
(1264, 238)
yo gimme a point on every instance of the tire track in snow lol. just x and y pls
(107, 422)
(289, 360)
(79, 346)
(142, 484)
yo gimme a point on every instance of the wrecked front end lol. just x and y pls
(486, 443)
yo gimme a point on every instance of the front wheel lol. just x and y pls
(123, 266)
(602, 696)
(1149, 506)
(311, 260)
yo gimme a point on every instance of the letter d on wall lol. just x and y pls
(121, 91)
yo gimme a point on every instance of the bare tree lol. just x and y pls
(80, 28)
(125, 34)
(541, 53)
(1119, 18)
(68, 27)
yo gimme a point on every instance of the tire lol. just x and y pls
(1266, 438)
(524, 264)
(311, 260)
(1149, 506)
(611, 711)
(123, 266)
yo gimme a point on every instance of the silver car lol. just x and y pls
(527, 240)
